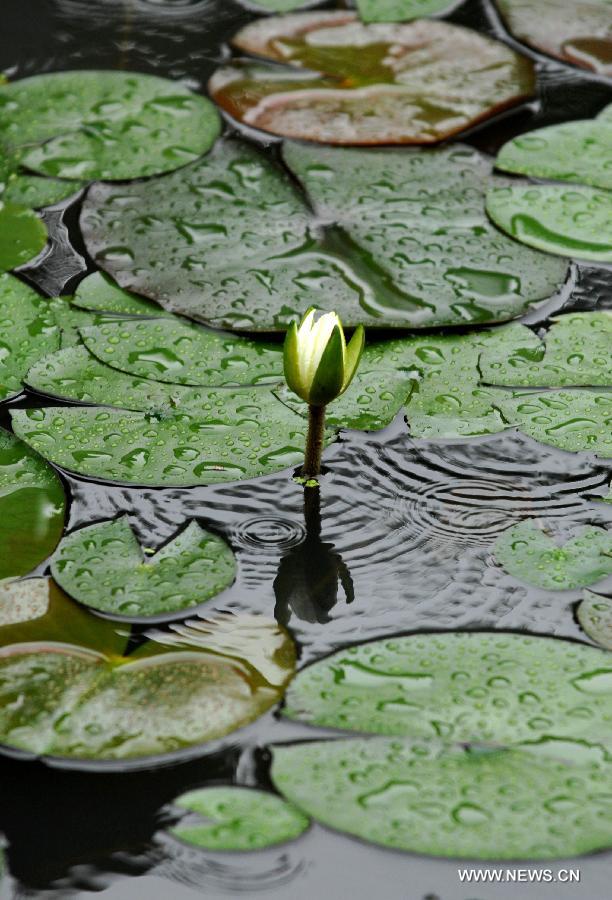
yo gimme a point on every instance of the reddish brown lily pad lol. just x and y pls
(346, 82)
(576, 31)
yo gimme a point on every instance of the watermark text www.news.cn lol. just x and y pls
(522, 876)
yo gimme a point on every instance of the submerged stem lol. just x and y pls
(314, 442)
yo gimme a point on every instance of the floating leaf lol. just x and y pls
(27, 332)
(103, 567)
(173, 351)
(22, 235)
(449, 801)
(31, 508)
(595, 617)
(78, 704)
(401, 10)
(571, 420)
(36, 609)
(577, 31)
(461, 686)
(99, 293)
(229, 241)
(568, 221)
(109, 125)
(573, 151)
(368, 84)
(28, 190)
(576, 352)
(237, 818)
(532, 555)
(205, 437)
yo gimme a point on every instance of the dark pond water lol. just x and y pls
(410, 524)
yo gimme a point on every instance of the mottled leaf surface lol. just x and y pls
(27, 332)
(594, 614)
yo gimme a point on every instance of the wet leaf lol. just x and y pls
(204, 437)
(534, 556)
(32, 507)
(595, 617)
(23, 189)
(27, 333)
(571, 220)
(22, 235)
(571, 420)
(104, 567)
(99, 293)
(573, 151)
(402, 10)
(230, 242)
(178, 352)
(368, 84)
(80, 705)
(577, 31)
(574, 352)
(36, 609)
(449, 801)
(237, 818)
(460, 686)
(108, 125)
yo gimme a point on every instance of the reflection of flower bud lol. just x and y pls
(319, 366)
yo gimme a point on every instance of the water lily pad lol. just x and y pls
(571, 221)
(230, 242)
(177, 352)
(23, 189)
(534, 556)
(36, 608)
(573, 151)
(402, 10)
(449, 801)
(470, 686)
(417, 83)
(98, 293)
(103, 567)
(206, 437)
(109, 125)
(595, 617)
(80, 705)
(22, 235)
(237, 818)
(32, 507)
(576, 31)
(28, 332)
(575, 352)
(571, 420)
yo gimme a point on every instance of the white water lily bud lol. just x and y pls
(319, 366)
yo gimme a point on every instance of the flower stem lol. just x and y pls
(314, 442)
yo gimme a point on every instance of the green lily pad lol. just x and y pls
(22, 235)
(571, 221)
(449, 801)
(208, 436)
(573, 151)
(230, 242)
(79, 705)
(576, 31)
(177, 352)
(237, 818)
(108, 125)
(460, 686)
(570, 420)
(103, 567)
(21, 189)
(417, 83)
(532, 555)
(28, 332)
(401, 10)
(37, 608)
(98, 293)
(595, 617)
(575, 352)
(32, 505)
(70, 319)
